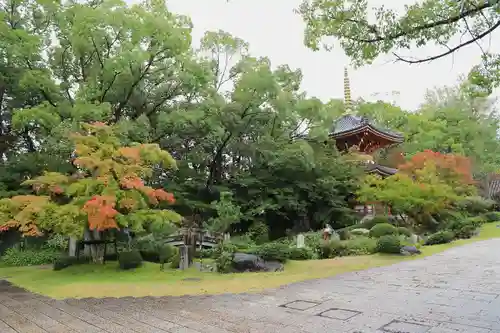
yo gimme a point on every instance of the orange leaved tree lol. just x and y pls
(454, 170)
(108, 191)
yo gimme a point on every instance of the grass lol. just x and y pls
(106, 281)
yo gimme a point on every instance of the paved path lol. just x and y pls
(455, 291)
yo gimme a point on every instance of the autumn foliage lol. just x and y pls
(107, 191)
(455, 170)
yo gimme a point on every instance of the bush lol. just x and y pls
(259, 232)
(476, 205)
(329, 249)
(466, 228)
(344, 234)
(129, 260)
(383, 229)
(273, 251)
(404, 231)
(389, 244)
(301, 253)
(166, 253)
(492, 216)
(224, 262)
(175, 261)
(357, 246)
(440, 237)
(360, 232)
(204, 253)
(28, 257)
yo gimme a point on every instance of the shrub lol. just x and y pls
(378, 219)
(259, 232)
(205, 253)
(28, 257)
(404, 231)
(224, 262)
(344, 234)
(466, 228)
(301, 253)
(389, 244)
(150, 256)
(440, 237)
(360, 232)
(383, 229)
(357, 246)
(129, 260)
(175, 261)
(166, 253)
(57, 242)
(492, 216)
(329, 249)
(65, 262)
(273, 251)
(476, 205)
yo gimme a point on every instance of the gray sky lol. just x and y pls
(273, 30)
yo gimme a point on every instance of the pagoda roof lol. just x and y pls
(380, 169)
(348, 125)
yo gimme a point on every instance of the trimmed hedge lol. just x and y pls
(273, 251)
(129, 260)
(29, 257)
(440, 237)
(390, 244)
(383, 229)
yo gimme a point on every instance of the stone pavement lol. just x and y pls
(455, 291)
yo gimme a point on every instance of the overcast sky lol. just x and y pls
(273, 30)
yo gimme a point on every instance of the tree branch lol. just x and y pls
(451, 50)
(449, 20)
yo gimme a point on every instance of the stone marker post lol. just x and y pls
(184, 256)
(414, 239)
(300, 241)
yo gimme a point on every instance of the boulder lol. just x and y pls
(274, 266)
(244, 262)
(410, 250)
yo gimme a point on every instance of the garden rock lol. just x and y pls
(274, 266)
(410, 250)
(243, 262)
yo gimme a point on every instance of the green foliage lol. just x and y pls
(344, 234)
(440, 237)
(273, 251)
(57, 242)
(475, 205)
(224, 254)
(404, 231)
(166, 253)
(129, 260)
(66, 261)
(259, 232)
(29, 257)
(389, 244)
(228, 213)
(353, 247)
(383, 229)
(303, 253)
(466, 228)
(175, 261)
(360, 232)
(492, 216)
(378, 219)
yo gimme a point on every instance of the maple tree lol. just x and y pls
(455, 170)
(107, 191)
(419, 196)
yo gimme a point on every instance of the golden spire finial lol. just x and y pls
(347, 92)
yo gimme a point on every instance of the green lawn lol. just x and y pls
(107, 281)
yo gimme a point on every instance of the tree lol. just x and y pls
(420, 195)
(428, 22)
(107, 191)
(454, 170)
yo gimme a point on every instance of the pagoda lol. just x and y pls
(363, 137)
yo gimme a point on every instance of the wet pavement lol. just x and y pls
(454, 291)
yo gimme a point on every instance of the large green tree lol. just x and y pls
(365, 33)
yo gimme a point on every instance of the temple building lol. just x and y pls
(363, 137)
